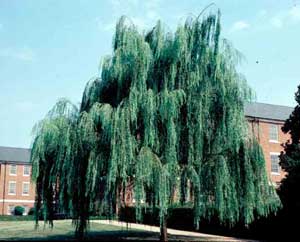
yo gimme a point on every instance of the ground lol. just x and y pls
(63, 230)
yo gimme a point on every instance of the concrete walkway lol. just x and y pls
(175, 232)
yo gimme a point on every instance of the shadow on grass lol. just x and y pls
(113, 236)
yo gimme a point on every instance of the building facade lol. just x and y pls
(16, 188)
(265, 121)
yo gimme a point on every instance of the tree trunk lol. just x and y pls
(118, 200)
(163, 230)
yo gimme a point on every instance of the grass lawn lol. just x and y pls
(16, 218)
(63, 230)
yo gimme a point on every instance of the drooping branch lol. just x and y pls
(166, 114)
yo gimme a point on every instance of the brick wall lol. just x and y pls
(20, 179)
(261, 129)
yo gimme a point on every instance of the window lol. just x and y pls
(12, 188)
(13, 170)
(273, 135)
(26, 170)
(275, 163)
(25, 190)
(10, 209)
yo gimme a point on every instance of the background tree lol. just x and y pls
(166, 113)
(290, 162)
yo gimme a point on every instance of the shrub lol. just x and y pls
(19, 210)
(31, 211)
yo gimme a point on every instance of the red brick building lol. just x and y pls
(265, 121)
(16, 188)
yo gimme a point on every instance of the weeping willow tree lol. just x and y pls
(166, 114)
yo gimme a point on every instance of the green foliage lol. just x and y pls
(19, 210)
(31, 211)
(290, 162)
(167, 113)
(291, 158)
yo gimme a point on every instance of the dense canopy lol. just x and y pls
(167, 115)
(290, 163)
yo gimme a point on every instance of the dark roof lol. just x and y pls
(267, 111)
(10, 154)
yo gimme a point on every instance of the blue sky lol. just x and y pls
(50, 49)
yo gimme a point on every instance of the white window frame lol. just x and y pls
(10, 209)
(27, 166)
(273, 140)
(13, 174)
(25, 194)
(12, 182)
(275, 154)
